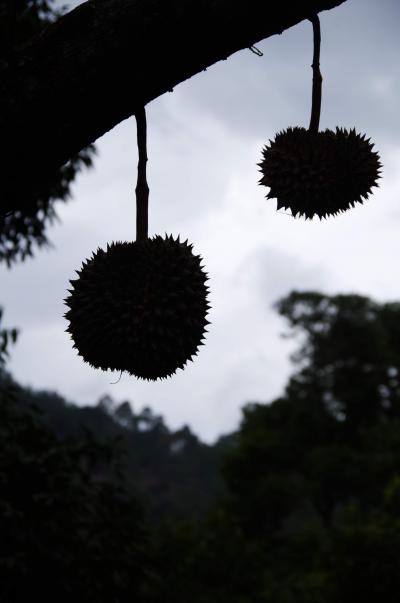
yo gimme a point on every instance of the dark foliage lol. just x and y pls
(67, 533)
(305, 510)
(312, 509)
(22, 229)
(7, 337)
(174, 473)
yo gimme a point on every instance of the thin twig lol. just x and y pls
(256, 51)
(117, 381)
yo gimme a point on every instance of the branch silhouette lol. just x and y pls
(100, 63)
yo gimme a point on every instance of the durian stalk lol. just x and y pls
(317, 77)
(142, 189)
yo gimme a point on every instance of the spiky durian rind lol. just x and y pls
(139, 307)
(322, 173)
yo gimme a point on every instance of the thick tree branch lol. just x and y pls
(94, 67)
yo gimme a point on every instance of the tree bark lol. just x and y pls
(95, 66)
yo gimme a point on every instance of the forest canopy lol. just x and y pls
(301, 503)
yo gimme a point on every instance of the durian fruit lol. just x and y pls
(319, 173)
(139, 307)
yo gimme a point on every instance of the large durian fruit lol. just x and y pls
(316, 173)
(139, 307)
(319, 173)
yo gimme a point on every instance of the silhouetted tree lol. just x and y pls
(312, 510)
(67, 533)
(25, 224)
(172, 472)
(7, 337)
(350, 355)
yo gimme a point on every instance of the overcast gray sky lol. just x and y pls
(204, 141)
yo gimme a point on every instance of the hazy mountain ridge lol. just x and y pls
(172, 471)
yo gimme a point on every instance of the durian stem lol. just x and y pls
(142, 189)
(317, 77)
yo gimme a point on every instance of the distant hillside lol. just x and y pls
(173, 472)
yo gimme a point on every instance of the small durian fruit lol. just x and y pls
(139, 307)
(319, 173)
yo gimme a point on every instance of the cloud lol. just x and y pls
(275, 273)
(204, 141)
(259, 96)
